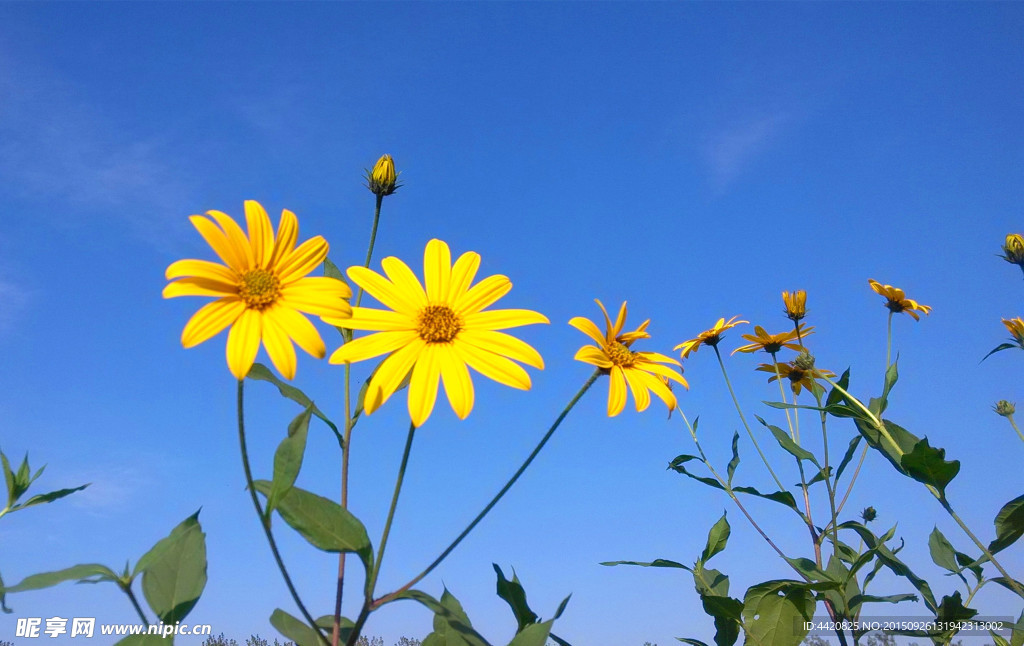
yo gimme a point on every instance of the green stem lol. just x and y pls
(1014, 425)
(744, 419)
(391, 512)
(264, 518)
(508, 485)
(135, 602)
(830, 488)
(782, 393)
(981, 546)
(373, 240)
(888, 343)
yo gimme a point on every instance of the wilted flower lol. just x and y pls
(897, 301)
(710, 337)
(1004, 408)
(382, 179)
(796, 304)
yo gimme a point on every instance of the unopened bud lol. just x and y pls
(1004, 408)
(804, 361)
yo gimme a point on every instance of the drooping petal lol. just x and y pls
(424, 383)
(236, 238)
(210, 320)
(457, 383)
(405, 281)
(658, 387)
(390, 374)
(660, 358)
(593, 356)
(588, 327)
(261, 232)
(199, 287)
(287, 234)
(640, 394)
(371, 346)
(484, 293)
(663, 371)
(279, 347)
(502, 319)
(503, 344)
(616, 391)
(304, 259)
(437, 270)
(218, 241)
(492, 366)
(200, 269)
(298, 328)
(244, 342)
(463, 274)
(383, 290)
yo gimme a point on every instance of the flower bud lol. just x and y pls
(382, 179)
(796, 304)
(869, 514)
(1004, 408)
(804, 361)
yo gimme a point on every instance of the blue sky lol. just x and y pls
(693, 159)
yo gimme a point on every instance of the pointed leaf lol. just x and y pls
(654, 563)
(260, 372)
(295, 629)
(533, 635)
(834, 396)
(81, 573)
(717, 538)
(735, 461)
(782, 497)
(787, 443)
(173, 580)
(514, 595)
(928, 465)
(1009, 524)
(288, 459)
(677, 466)
(848, 455)
(774, 612)
(998, 348)
(49, 497)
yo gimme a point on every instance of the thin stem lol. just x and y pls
(135, 602)
(1014, 425)
(782, 393)
(744, 419)
(508, 485)
(828, 482)
(888, 343)
(264, 518)
(373, 240)
(853, 479)
(391, 511)
(984, 550)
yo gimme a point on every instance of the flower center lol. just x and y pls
(620, 355)
(895, 306)
(438, 324)
(259, 289)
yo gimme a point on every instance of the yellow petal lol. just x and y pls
(279, 347)
(502, 319)
(261, 232)
(365, 318)
(463, 274)
(660, 358)
(424, 383)
(219, 243)
(405, 281)
(371, 346)
(658, 387)
(588, 327)
(287, 234)
(503, 344)
(492, 366)
(593, 356)
(616, 391)
(235, 237)
(244, 343)
(201, 269)
(390, 374)
(484, 293)
(664, 371)
(437, 270)
(383, 290)
(313, 300)
(304, 259)
(457, 383)
(210, 320)
(298, 328)
(323, 285)
(620, 321)
(640, 394)
(199, 287)
(607, 321)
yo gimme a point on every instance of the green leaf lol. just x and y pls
(451, 625)
(295, 629)
(9, 479)
(967, 563)
(878, 405)
(288, 459)
(1009, 524)
(175, 577)
(717, 538)
(513, 594)
(773, 613)
(834, 396)
(782, 497)
(677, 466)
(889, 559)
(710, 583)
(820, 476)
(324, 523)
(942, 552)
(84, 573)
(928, 465)
(892, 598)
(49, 497)
(735, 461)
(854, 442)
(654, 563)
(810, 569)
(533, 635)
(1008, 584)
(726, 612)
(998, 348)
(3, 598)
(260, 372)
(787, 443)
(1017, 635)
(692, 642)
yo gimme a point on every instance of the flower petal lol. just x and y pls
(302, 260)
(210, 320)
(390, 374)
(384, 290)
(261, 232)
(244, 343)
(201, 269)
(236, 238)
(658, 387)
(437, 270)
(484, 293)
(365, 318)
(620, 321)
(279, 347)
(589, 328)
(616, 391)
(664, 371)
(424, 383)
(218, 241)
(287, 234)
(404, 281)
(640, 394)
(492, 366)
(503, 344)
(371, 346)
(502, 319)
(298, 328)
(457, 383)
(593, 356)
(463, 274)
(199, 287)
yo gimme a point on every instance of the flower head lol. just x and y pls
(1013, 249)
(382, 179)
(796, 304)
(708, 337)
(641, 371)
(437, 333)
(796, 371)
(262, 288)
(897, 301)
(1016, 329)
(868, 514)
(772, 343)
(1004, 408)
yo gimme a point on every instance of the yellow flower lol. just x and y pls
(708, 337)
(1016, 328)
(796, 304)
(382, 179)
(897, 301)
(436, 332)
(1013, 249)
(642, 371)
(263, 287)
(772, 343)
(798, 377)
